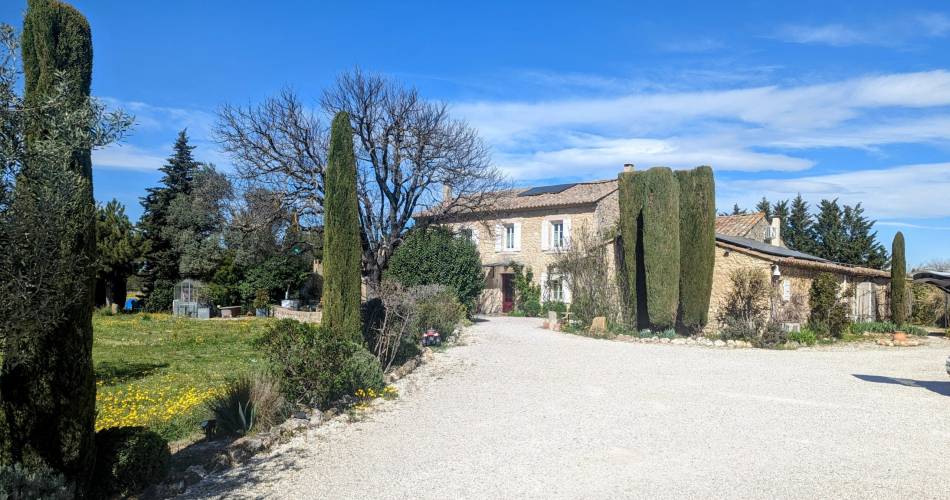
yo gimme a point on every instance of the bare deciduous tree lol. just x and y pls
(408, 150)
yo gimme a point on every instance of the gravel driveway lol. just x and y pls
(521, 412)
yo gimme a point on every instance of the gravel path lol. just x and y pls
(521, 412)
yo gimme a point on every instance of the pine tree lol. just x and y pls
(160, 269)
(898, 281)
(697, 195)
(341, 250)
(738, 211)
(47, 380)
(799, 235)
(119, 248)
(764, 207)
(829, 231)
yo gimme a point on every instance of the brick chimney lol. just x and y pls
(775, 229)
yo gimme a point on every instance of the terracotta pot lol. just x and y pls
(899, 336)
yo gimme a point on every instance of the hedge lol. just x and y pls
(697, 235)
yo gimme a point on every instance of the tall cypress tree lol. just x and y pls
(898, 280)
(341, 243)
(799, 235)
(697, 195)
(160, 270)
(47, 380)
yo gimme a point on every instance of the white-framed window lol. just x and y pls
(786, 290)
(510, 238)
(556, 290)
(557, 234)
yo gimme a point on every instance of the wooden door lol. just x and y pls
(507, 292)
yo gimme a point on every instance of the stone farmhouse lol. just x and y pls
(530, 226)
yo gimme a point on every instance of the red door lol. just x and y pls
(507, 292)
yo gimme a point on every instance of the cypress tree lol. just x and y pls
(47, 380)
(631, 204)
(341, 244)
(697, 230)
(898, 281)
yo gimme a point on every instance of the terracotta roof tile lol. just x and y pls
(737, 225)
(582, 193)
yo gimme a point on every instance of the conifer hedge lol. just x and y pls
(697, 235)
(898, 281)
(631, 203)
(341, 244)
(661, 246)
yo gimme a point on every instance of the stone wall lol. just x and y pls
(302, 316)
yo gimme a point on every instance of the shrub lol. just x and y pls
(772, 335)
(828, 316)
(553, 305)
(249, 402)
(898, 280)
(915, 330)
(873, 327)
(927, 306)
(361, 371)
(435, 256)
(18, 481)
(438, 308)
(314, 367)
(697, 234)
(804, 336)
(128, 459)
(160, 297)
(586, 263)
(743, 314)
(527, 294)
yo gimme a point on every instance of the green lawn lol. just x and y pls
(158, 371)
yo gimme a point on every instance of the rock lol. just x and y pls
(678, 341)
(655, 338)
(689, 341)
(730, 343)
(244, 448)
(598, 324)
(194, 474)
(316, 419)
(719, 343)
(664, 340)
(300, 414)
(291, 426)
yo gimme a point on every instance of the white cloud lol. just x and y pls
(896, 31)
(127, 157)
(908, 191)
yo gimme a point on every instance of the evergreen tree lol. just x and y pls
(119, 248)
(799, 235)
(342, 250)
(697, 229)
(830, 237)
(47, 380)
(764, 207)
(738, 211)
(161, 262)
(898, 281)
(862, 247)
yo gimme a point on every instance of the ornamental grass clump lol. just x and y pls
(248, 404)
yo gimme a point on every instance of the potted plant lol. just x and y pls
(261, 301)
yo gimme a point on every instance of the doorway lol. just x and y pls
(507, 292)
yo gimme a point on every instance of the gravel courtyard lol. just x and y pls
(521, 412)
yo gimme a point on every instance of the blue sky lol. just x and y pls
(830, 99)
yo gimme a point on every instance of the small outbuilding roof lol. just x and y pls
(788, 257)
(761, 246)
(737, 225)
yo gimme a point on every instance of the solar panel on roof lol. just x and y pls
(557, 188)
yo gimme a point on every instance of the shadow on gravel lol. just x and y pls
(940, 387)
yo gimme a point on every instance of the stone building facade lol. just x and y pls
(529, 227)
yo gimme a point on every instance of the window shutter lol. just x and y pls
(475, 237)
(567, 232)
(499, 234)
(566, 288)
(544, 287)
(517, 236)
(545, 229)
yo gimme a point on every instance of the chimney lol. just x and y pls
(775, 229)
(627, 167)
(446, 193)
